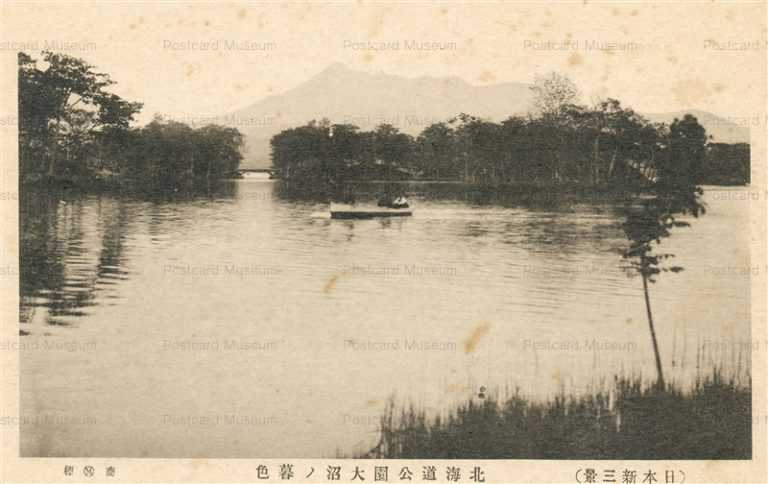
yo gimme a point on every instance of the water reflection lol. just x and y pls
(73, 244)
(130, 274)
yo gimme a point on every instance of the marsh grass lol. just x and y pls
(630, 420)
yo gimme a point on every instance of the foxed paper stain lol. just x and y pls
(475, 336)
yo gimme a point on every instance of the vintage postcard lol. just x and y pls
(450, 242)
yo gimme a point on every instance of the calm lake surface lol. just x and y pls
(248, 324)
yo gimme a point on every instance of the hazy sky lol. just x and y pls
(654, 57)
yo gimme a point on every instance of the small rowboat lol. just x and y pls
(347, 211)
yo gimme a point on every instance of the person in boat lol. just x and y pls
(399, 202)
(387, 201)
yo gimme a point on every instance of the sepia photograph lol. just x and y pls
(324, 237)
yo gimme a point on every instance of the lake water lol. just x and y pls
(248, 324)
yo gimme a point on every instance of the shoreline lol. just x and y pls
(631, 420)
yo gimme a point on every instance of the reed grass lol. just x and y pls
(633, 420)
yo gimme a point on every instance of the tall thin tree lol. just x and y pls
(674, 194)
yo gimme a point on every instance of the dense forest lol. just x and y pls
(562, 141)
(726, 164)
(74, 131)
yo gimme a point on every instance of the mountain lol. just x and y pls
(721, 129)
(367, 99)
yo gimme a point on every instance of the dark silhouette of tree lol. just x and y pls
(63, 104)
(434, 151)
(726, 164)
(605, 146)
(73, 130)
(391, 146)
(170, 154)
(552, 94)
(674, 194)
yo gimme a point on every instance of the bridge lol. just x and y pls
(246, 172)
(255, 170)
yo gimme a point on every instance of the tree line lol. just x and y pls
(74, 130)
(561, 141)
